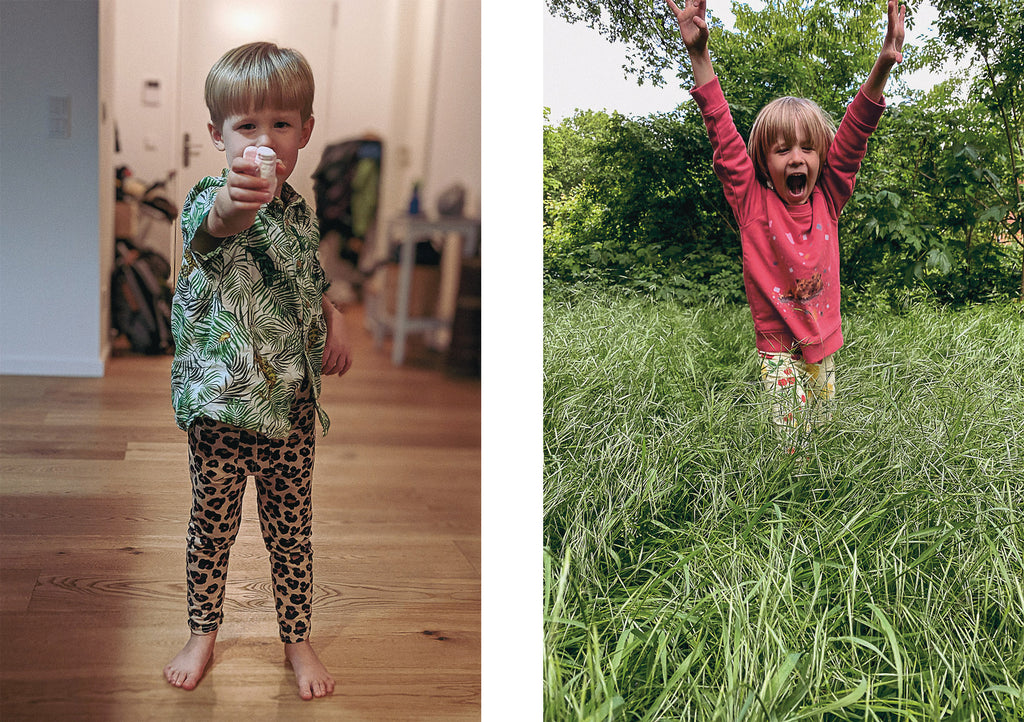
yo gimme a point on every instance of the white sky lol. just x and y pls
(584, 70)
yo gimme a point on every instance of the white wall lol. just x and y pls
(455, 142)
(359, 90)
(433, 132)
(106, 170)
(50, 270)
(146, 48)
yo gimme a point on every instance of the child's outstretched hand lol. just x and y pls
(246, 189)
(693, 26)
(892, 47)
(237, 202)
(890, 54)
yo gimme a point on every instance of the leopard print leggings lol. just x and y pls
(221, 457)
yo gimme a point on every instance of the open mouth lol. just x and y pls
(797, 183)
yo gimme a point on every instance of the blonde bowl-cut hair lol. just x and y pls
(780, 119)
(259, 75)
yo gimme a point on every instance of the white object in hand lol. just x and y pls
(268, 162)
(265, 157)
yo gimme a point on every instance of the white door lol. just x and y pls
(209, 28)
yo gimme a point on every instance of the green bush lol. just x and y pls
(631, 203)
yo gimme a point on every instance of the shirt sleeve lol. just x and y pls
(732, 163)
(848, 149)
(320, 278)
(196, 207)
(194, 211)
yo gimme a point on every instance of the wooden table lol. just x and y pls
(405, 231)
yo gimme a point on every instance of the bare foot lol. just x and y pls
(313, 678)
(187, 668)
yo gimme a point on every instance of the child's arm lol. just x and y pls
(693, 28)
(732, 164)
(235, 206)
(337, 353)
(851, 142)
(891, 53)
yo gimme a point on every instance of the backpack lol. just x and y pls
(141, 299)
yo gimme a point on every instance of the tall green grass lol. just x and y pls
(696, 571)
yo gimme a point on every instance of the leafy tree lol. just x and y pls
(918, 214)
(635, 202)
(819, 50)
(571, 152)
(813, 48)
(939, 199)
(990, 34)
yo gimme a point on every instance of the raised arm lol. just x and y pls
(693, 28)
(891, 53)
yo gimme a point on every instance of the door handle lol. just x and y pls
(188, 150)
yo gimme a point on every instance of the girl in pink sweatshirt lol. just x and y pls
(786, 189)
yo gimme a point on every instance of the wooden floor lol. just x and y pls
(95, 496)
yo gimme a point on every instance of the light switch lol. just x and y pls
(59, 116)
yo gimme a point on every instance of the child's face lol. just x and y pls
(282, 130)
(793, 169)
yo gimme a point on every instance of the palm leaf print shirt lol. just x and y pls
(247, 319)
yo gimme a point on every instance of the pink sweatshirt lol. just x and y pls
(790, 253)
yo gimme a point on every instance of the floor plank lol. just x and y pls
(93, 506)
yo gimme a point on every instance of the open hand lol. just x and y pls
(892, 47)
(693, 26)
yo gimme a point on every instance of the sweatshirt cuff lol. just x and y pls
(867, 109)
(708, 95)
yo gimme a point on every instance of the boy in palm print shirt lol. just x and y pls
(253, 333)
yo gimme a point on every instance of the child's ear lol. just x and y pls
(216, 136)
(307, 131)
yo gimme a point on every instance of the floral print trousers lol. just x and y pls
(800, 393)
(221, 458)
